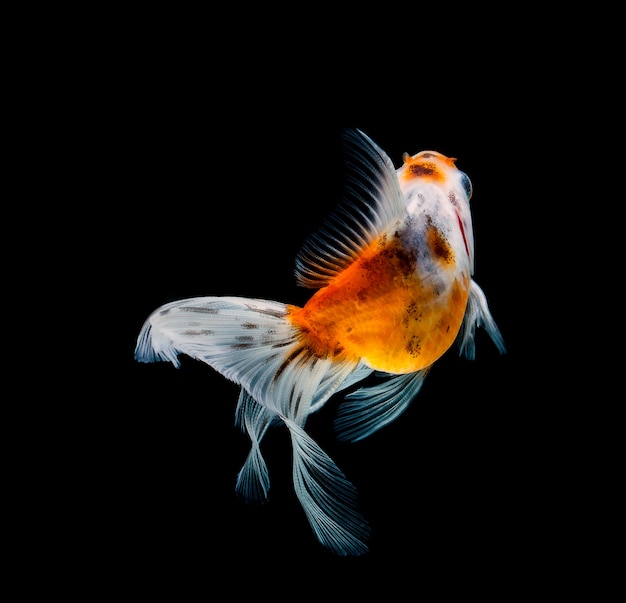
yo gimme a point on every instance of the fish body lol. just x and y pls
(392, 267)
(400, 304)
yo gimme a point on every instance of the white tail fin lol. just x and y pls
(327, 497)
(251, 342)
(253, 480)
(230, 334)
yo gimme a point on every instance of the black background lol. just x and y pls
(192, 156)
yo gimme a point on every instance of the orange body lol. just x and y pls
(392, 308)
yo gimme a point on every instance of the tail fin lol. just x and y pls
(327, 497)
(251, 342)
(253, 482)
(236, 336)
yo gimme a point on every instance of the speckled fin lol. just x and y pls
(251, 342)
(371, 201)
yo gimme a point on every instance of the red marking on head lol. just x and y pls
(462, 232)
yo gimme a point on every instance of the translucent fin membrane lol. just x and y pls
(370, 408)
(372, 201)
(327, 497)
(477, 314)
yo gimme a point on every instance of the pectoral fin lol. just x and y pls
(369, 408)
(477, 314)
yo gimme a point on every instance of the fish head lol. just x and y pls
(436, 190)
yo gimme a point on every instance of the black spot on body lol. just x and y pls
(413, 346)
(453, 200)
(413, 312)
(393, 257)
(442, 250)
(405, 261)
(439, 245)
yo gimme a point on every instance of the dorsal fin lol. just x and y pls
(371, 201)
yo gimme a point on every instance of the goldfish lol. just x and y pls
(391, 270)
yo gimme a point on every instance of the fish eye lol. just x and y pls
(466, 183)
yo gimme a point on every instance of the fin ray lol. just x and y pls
(250, 342)
(478, 314)
(371, 201)
(329, 500)
(371, 407)
(253, 481)
(246, 340)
